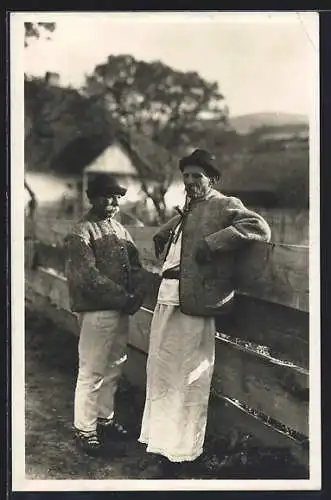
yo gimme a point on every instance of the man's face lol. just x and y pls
(196, 182)
(106, 206)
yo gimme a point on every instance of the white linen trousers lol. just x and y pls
(102, 351)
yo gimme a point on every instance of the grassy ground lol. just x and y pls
(51, 359)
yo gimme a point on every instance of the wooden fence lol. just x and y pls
(288, 226)
(261, 378)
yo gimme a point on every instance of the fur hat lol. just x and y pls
(104, 185)
(204, 159)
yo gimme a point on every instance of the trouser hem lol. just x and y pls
(171, 457)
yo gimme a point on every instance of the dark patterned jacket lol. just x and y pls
(225, 224)
(102, 266)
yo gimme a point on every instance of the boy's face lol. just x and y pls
(106, 206)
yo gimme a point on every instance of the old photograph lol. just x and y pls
(165, 249)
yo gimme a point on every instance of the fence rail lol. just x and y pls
(261, 376)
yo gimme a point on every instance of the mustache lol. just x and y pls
(111, 209)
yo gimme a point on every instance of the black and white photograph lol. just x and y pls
(165, 261)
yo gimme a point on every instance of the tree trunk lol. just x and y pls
(33, 199)
(160, 207)
(158, 194)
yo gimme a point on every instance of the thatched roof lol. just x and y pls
(152, 161)
(277, 178)
(68, 131)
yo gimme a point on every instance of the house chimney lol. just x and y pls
(52, 78)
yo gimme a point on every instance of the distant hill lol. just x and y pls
(245, 124)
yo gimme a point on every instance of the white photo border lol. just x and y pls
(310, 22)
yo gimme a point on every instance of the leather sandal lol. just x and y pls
(89, 442)
(112, 429)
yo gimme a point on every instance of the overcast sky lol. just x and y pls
(261, 63)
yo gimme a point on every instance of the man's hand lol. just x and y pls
(202, 253)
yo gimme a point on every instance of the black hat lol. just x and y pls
(201, 158)
(104, 185)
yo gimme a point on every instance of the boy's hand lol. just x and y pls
(133, 304)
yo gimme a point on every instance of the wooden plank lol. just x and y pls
(267, 385)
(280, 330)
(51, 256)
(48, 282)
(270, 386)
(54, 289)
(29, 228)
(140, 325)
(52, 230)
(290, 226)
(41, 304)
(50, 285)
(279, 391)
(274, 389)
(135, 368)
(277, 273)
(283, 331)
(224, 417)
(29, 251)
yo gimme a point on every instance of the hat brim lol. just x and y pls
(209, 169)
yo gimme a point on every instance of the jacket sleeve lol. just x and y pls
(161, 237)
(138, 281)
(83, 274)
(244, 226)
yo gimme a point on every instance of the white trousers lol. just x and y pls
(102, 352)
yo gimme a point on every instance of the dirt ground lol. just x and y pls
(51, 453)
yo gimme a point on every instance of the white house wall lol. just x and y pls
(113, 160)
(47, 188)
(175, 194)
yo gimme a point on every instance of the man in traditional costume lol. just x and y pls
(197, 285)
(105, 286)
